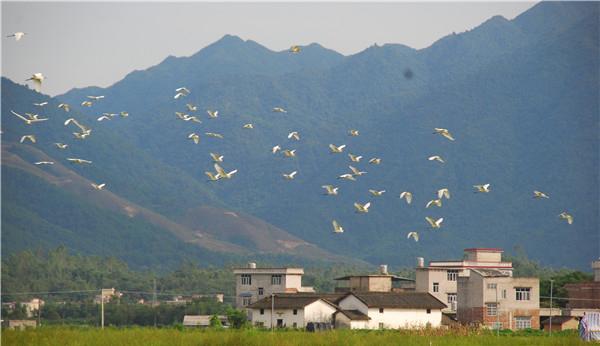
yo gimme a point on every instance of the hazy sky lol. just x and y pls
(83, 44)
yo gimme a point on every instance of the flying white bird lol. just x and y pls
(216, 157)
(212, 177)
(347, 177)
(87, 103)
(482, 188)
(375, 161)
(376, 193)
(81, 135)
(407, 196)
(443, 193)
(44, 163)
(104, 117)
(436, 158)
(61, 145)
(413, 235)
(356, 172)
(539, 194)
(295, 49)
(353, 133)
(436, 202)
(331, 190)
(212, 114)
(279, 110)
(275, 149)
(221, 172)
(354, 158)
(182, 90)
(248, 126)
(337, 228)
(78, 161)
(335, 149)
(230, 213)
(179, 94)
(289, 153)
(215, 135)
(362, 208)
(37, 79)
(83, 128)
(295, 135)
(290, 176)
(96, 98)
(29, 137)
(124, 114)
(32, 118)
(64, 107)
(566, 216)
(41, 104)
(194, 137)
(444, 132)
(98, 186)
(191, 107)
(434, 224)
(35, 117)
(17, 35)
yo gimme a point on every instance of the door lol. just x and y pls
(279, 323)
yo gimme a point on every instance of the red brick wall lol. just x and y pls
(585, 290)
(479, 315)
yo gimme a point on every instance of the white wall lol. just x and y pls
(404, 318)
(353, 303)
(317, 311)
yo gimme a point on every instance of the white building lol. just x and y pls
(254, 284)
(389, 310)
(440, 277)
(292, 311)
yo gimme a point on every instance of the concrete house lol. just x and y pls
(496, 299)
(560, 323)
(253, 284)
(440, 277)
(585, 296)
(291, 310)
(381, 282)
(390, 310)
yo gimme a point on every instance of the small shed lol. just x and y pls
(21, 324)
(560, 323)
(202, 321)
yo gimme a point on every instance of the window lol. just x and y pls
(436, 287)
(523, 322)
(262, 311)
(451, 298)
(295, 311)
(295, 325)
(523, 293)
(452, 274)
(259, 324)
(503, 294)
(380, 325)
(246, 301)
(492, 286)
(380, 310)
(246, 279)
(261, 291)
(492, 309)
(276, 279)
(428, 311)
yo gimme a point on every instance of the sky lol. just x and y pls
(79, 44)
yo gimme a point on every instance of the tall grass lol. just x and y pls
(64, 336)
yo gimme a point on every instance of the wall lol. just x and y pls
(483, 256)
(264, 280)
(352, 303)
(404, 318)
(425, 277)
(318, 311)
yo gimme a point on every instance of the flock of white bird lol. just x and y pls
(217, 159)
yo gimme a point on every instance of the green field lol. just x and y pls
(172, 336)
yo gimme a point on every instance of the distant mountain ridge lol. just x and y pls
(519, 96)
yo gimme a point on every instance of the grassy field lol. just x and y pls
(172, 336)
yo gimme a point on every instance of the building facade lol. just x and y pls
(440, 278)
(585, 295)
(291, 311)
(254, 284)
(380, 282)
(495, 299)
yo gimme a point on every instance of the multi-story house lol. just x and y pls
(496, 299)
(254, 284)
(440, 277)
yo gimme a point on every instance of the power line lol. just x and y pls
(47, 292)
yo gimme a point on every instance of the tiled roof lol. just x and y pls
(354, 315)
(399, 300)
(295, 300)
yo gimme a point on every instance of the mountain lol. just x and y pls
(520, 96)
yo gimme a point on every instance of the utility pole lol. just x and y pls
(40, 313)
(154, 302)
(102, 308)
(551, 289)
(497, 313)
(272, 310)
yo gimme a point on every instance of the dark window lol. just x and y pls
(436, 287)
(260, 291)
(295, 311)
(428, 311)
(452, 275)
(380, 310)
(276, 279)
(246, 279)
(262, 311)
(295, 325)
